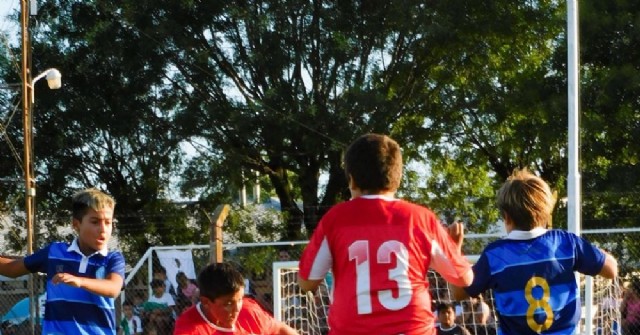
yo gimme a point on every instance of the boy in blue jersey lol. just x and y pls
(83, 277)
(532, 271)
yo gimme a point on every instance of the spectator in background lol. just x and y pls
(630, 309)
(159, 272)
(447, 320)
(187, 288)
(283, 256)
(151, 330)
(131, 324)
(138, 304)
(8, 328)
(160, 307)
(477, 316)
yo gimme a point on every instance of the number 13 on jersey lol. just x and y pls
(359, 253)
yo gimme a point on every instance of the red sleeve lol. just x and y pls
(316, 259)
(189, 323)
(255, 320)
(445, 257)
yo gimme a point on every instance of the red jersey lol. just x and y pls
(252, 319)
(379, 250)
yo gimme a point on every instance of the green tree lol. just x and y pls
(470, 90)
(108, 127)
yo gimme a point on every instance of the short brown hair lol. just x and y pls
(90, 198)
(526, 199)
(374, 162)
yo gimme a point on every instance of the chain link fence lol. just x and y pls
(256, 259)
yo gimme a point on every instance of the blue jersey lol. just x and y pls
(531, 274)
(72, 310)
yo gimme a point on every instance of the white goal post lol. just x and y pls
(307, 312)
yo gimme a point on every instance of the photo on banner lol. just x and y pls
(175, 261)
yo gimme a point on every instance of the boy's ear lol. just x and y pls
(506, 218)
(75, 223)
(352, 184)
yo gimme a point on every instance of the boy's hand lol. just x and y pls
(456, 231)
(65, 278)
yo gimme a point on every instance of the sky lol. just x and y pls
(7, 7)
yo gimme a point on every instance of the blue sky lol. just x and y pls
(7, 7)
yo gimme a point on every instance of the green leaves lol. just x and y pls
(471, 90)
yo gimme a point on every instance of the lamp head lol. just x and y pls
(54, 79)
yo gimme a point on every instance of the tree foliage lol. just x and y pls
(207, 94)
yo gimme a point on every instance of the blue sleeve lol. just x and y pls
(116, 263)
(589, 258)
(37, 262)
(481, 276)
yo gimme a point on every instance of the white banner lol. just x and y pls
(175, 261)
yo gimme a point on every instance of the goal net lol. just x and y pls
(307, 312)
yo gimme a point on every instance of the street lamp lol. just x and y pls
(53, 77)
(54, 80)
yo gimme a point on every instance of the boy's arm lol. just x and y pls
(308, 284)
(610, 267)
(284, 329)
(458, 292)
(109, 287)
(12, 267)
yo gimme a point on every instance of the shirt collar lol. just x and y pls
(377, 196)
(526, 234)
(74, 247)
(226, 330)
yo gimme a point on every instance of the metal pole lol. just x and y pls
(573, 188)
(27, 162)
(574, 223)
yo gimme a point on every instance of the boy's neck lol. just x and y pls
(355, 193)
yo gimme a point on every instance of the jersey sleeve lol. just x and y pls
(189, 323)
(37, 262)
(116, 264)
(183, 327)
(255, 320)
(481, 277)
(316, 259)
(589, 258)
(445, 257)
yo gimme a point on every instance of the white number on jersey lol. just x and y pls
(359, 252)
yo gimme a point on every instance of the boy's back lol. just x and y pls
(379, 250)
(532, 277)
(531, 272)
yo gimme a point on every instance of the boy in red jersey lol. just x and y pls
(380, 248)
(223, 309)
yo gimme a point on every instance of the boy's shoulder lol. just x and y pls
(551, 238)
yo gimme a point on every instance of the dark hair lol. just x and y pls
(374, 162)
(443, 306)
(156, 283)
(159, 269)
(218, 279)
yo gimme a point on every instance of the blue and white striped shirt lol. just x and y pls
(72, 310)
